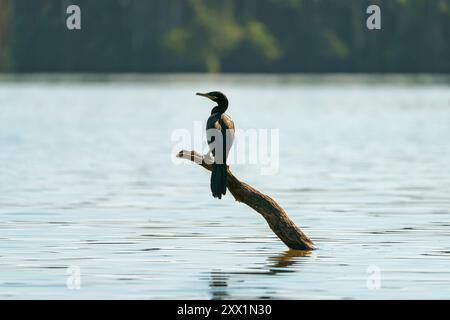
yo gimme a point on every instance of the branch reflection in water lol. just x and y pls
(279, 264)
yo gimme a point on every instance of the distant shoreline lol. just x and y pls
(304, 78)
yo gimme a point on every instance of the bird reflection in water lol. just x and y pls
(282, 263)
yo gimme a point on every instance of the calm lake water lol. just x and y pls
(87, 184)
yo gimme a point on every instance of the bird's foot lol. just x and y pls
(208, 158)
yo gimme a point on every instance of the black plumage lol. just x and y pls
(220, 136)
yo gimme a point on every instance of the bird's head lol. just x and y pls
(217, 97)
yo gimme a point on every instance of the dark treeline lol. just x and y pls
(225, 35)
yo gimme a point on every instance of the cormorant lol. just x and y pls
(221, 126)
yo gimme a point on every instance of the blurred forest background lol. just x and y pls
(225, 36)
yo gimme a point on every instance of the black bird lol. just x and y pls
(220, 136)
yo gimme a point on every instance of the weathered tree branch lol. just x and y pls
(275, 216)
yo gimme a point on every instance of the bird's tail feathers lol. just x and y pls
(219, 180)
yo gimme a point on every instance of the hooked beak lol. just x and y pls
(206, 96)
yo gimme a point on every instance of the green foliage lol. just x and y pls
(213, 33)
(177, 40)
(6, 63)
(335, 47)
(263, 41)
(225, 35)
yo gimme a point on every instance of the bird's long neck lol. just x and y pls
(220, 108)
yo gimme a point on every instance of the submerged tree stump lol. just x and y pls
(275, 216)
